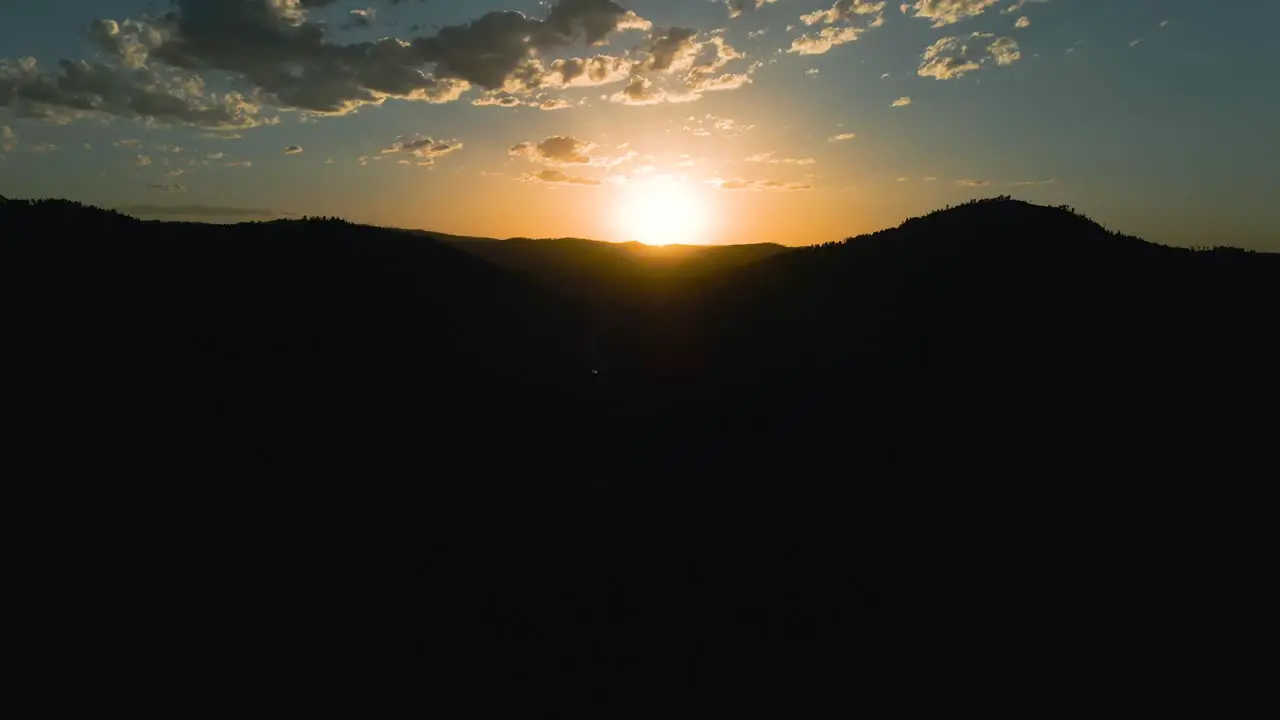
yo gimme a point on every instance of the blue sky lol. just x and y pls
(1155, 117)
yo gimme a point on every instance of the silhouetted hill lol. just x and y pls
(997, 454)
(613, 274)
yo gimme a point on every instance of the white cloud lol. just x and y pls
(1004, 51)
(821, 43)
(901, 102)
(842, 137)
(953, 57)
(948, 12)
(843, 10)
(1023, 22)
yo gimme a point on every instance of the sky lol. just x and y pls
(705, 121)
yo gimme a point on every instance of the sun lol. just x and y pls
(663, 211)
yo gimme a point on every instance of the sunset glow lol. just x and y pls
(790, 121)
(663, 211)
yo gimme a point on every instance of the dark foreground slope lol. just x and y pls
(623, 274)
(996, 455)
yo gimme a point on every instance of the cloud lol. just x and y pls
(1004, 51)
(758, 185)
(167, 187)
(707, 125)
(1032, 183)
(689, 64)
(292, 149)
(488, 50)
(563, 150)
(168, 148)
(822, 43)
(360, 18)
(424, 149)
(1019, 5)
(497, 100)
(43, 147)
(1023, 22)
(8, 139)
(948, 12)
(901, 102)
(641, 91)
(238, 164)
(972, 183)
(557, 177)
(157, 66)
(738, 7)
(1135, 43)
(554, 104)
(843, 10)
(291, 63)
(952, 57)
(142, 160)
(842, 137)
(80, 89)
(198, 210)
(772, 159)
(214, 155)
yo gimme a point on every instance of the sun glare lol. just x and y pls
(663, 211)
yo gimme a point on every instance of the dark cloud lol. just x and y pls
(565, 150)
(283, 58)
(425, 149)
(289, 60)
(80, 88)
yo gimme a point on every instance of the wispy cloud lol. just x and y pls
(292, 150)
(758, 185)
(902, 102)
(167, 187)
(198, 210)
(772, 159)
(972, 183)
(841, 137)
(558, 177)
